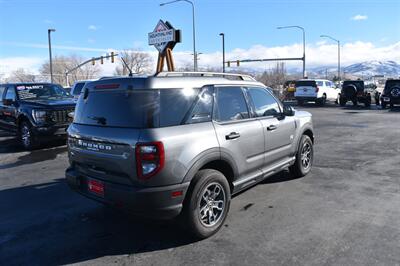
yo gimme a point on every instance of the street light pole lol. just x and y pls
(193, 26)
(338, 42)
(304, 45)
(223, 51)
(50, 57)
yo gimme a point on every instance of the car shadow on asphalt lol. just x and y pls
(283, 176)
(10, 144)
(395, 109)
(47, 153)
(50, 224)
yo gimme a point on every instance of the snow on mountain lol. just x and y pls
(371, 68)
(368, 68)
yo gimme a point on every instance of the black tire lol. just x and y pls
(300, 102)
(203, 181)
(383, 105)
(300, 168)
(342, 101)
(368, 101)
(26, 136)
(354, 102)
(377, 98)
(391, 106)
(322, 101)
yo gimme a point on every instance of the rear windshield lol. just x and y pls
(308, 83)
(135, 108)
(358, 83)
(77, 88)
(392, 83)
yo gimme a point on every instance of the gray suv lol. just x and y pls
(181, 144)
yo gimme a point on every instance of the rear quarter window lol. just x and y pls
(76, 90)
(2, 88)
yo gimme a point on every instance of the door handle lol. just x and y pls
(232, 135)
(271, 127)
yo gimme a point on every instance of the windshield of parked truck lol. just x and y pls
(41, 91)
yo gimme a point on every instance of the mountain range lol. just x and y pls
(366, 69)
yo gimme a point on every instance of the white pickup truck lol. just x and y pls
(316, 90)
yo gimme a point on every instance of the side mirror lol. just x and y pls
(8, 102)
(288, 110)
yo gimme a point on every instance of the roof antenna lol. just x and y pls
(126, 65)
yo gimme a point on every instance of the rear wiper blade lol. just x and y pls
(99, 120)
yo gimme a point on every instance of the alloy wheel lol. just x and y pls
(211, 204)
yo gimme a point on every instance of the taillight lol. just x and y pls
(150, 159)
(316, 89)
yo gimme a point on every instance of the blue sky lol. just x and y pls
(87, 27)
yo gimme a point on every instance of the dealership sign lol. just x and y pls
(164, 36)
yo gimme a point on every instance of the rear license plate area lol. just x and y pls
(96, 187)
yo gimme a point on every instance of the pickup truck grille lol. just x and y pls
(61, 116)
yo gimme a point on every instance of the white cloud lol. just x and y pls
(317, 54)
(92, 27)
(91, 40)
(359, 17)
(48, 21)
(9, 64)
(56, 47)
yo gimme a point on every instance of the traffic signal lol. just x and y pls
(237, 62)
(101, 60)
(93, 61)
(112, 57)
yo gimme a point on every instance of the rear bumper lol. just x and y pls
(153, 202)
(390, 100)
(307, 98)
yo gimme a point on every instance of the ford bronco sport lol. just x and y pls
(181, 144)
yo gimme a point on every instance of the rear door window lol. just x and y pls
(320, 83)
(231, 104)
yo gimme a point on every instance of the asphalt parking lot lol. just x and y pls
(346, 212)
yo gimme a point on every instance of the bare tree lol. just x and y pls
(21, 75)
(138, 62)
(275, 78)
(63, 63)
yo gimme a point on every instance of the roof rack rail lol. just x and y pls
(205, 74)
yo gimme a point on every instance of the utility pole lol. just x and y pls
(50, 57)
(338, 45)
(223, 51)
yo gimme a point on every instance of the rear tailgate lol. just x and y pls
(306, 89)
(105, 153)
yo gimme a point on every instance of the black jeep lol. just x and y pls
(391, 93)
(35, 111)
(354, 91)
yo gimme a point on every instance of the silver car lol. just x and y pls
(181, 144)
